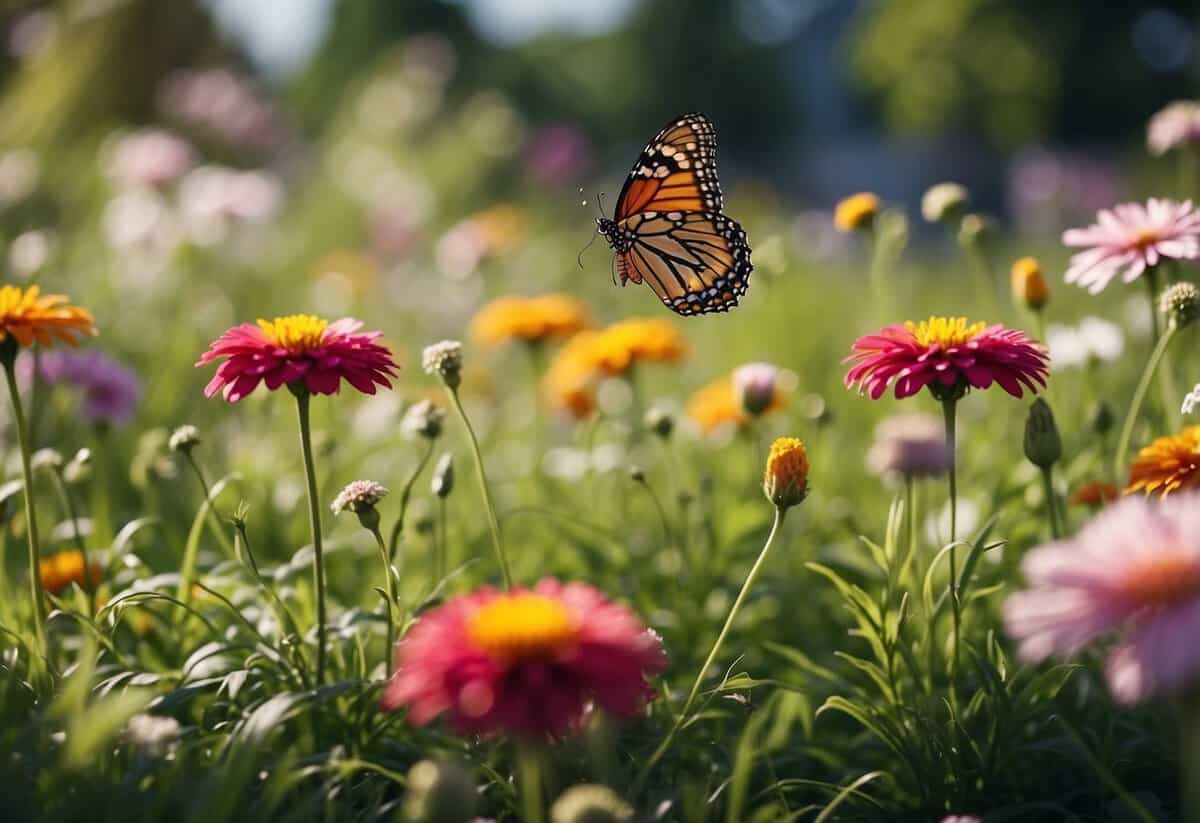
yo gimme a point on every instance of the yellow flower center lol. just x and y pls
(1163, 581)
(296, 332)
(1146, 238)
(944, 331)
(521, 627)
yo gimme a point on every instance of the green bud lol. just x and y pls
(660, 421)
(1101, 418)
(1043, 446)
(443, 476)
(1181, 304)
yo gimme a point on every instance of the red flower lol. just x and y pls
(947, 355)
(299, 348)
(527, 661)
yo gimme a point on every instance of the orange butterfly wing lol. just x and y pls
(677, 171)
(696, 262)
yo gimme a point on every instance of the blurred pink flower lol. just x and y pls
(302, 349)
(1131, 237)
(1177, 124)
(149, 157)
(109, 392)
(557, 154)
(528, 661)
(224, 105)
(1134, 567)
(910, 445)
(754, 386)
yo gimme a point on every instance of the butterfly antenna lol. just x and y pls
(579, 257)
(600, 204)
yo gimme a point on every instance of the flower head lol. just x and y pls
(623, 345)
(444, 359)
(152, 734)
(1095, 494)
(442, 482)
(1177, 124)
(1029, 284)
(1191, 400)
(527, 661)
(1134, 567)
(184, 439)
(357, 496)
(910, 445)
(1168, 464)
(108, 391)
(754, 385)
(1130, 238)
(28, 317)
(299, 349)
(944, 202)
(856, 212)
(1043, 445)
(948, 355)
(423, 419)
(530, 319)
(1180, 303)
(58, 571)
(785, 481)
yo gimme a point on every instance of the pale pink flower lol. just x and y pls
(1177, 124)
(754, 386)
(1133, 569)
(1130, 238)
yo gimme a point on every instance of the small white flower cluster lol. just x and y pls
(1192, 400)
(445, 360)
(358, 496)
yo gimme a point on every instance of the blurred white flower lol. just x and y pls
(151, 734)
(19, 174)
(29, 252)
(149, 157)
(937, 525)
(135, 217)
(1093, 338)
(1192, 400)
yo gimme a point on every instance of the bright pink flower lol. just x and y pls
(298, 348)
(1134, 567)
(948, 355)
(1130, 238)
(527, 661)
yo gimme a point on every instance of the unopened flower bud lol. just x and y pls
(1101, 418)
(184, 439)
(445, 360)
(944, 202)
(80, 467)
(1029, 284)
(439, 793)
(423, 419)
(974, 229)
(1043, 446)
(590, 803)
(1181, 304)
(785, 481)
(660, 421)
(754, 386)
(443, 476)
(637, 474)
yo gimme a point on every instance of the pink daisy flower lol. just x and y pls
(527, 661)
(299, 349)
(949, 356)
(1135, 567)
(1130, 238)
(1177, 124)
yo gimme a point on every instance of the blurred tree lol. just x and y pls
(102, 64)
(1020, 69)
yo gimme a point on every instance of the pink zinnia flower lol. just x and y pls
(1130, 238)
(527, 661)
(754, 386)
(948, 355)
(300, 349)
(1136, 567)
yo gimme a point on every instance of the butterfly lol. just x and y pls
(667, 228)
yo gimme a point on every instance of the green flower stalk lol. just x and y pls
(442, 484)
(1043, 448)
(360, 497)
(314, 511)
(1181, 305)
(444, 359)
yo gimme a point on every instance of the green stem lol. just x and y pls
(314, 510)
(712, 654)
(529, 769)
(213, 519)
(493, 523)
(440, 543)
(1139, 395)
(949, 412)
(392, 603)
(35, 576)
(662, 512)
(89, 585)
(1151, 278)
(1051, 503)
(405, 496)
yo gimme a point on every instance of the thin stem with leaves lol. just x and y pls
(314, 509)
(31, 528)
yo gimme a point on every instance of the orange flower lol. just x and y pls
(1095, 494)
(29, 317)
(856, 212)
(785, 481)
(58, 571)
(529, 318)
(1169, 463)
(622, 345)
(567, 384)
(717, 404)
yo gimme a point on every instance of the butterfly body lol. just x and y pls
(668, 229)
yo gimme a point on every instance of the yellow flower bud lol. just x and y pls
(1029, 284)
(785, 482)
(856, 212)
